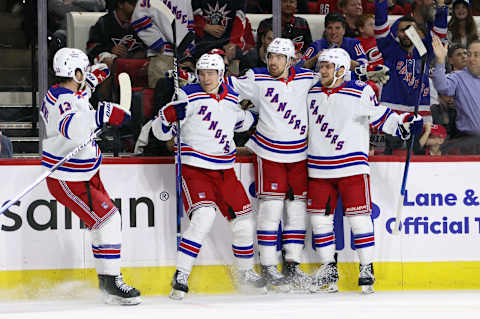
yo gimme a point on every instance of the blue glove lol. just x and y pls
(408, 124)
(173, 111)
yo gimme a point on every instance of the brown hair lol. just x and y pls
(470, 27)
(361, 20)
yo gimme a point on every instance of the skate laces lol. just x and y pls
(366, 271)
(121, 284)
(273, 272)
(182, 278)
(326, 273)
(252, 275)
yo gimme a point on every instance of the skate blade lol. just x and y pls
(176, 294)
(116, 300)
(248, 290)
(279, 289)
(329, 288)
(367, 289)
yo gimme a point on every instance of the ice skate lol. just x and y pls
(117, 292)
(248, 281)
(325, 278)
(366, 278)
(179, 285)
(299, 281)
(275, 280)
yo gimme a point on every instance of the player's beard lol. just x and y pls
(405, 43)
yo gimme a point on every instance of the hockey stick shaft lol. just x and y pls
(399, 210)
(49, 172)
(178, 162)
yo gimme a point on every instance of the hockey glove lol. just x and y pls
(173, 111)
(112, 114)
(361, 72)
(408, 124)
(378, 74)
(98, 73)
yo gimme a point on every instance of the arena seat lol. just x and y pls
(136, 68)
(79, 23)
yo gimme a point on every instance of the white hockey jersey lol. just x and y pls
(69, 121)
(338, 135)
(207, 131)
(154, 28)
(281, 134)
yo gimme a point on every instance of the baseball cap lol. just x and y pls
(438, 130)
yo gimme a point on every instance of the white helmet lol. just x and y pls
(67, 60)
(339, 57)
(211, 62)
(282, 46)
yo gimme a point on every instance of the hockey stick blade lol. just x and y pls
(412, 34)
(160, 6)
(125, 90)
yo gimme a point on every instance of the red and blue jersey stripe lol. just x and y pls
(267, 237)
(363, 240)
(243, 251)
(73, 165)
(141, 24)
(189, 247)
(293, 237)
(339, 161)
(187, 150)
(106, 251)
(282, 147)
(323, 240)
(64, 124)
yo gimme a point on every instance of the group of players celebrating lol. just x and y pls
(310, 146)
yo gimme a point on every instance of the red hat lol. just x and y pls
(438, 130)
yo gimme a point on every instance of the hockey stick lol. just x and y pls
(417, 42)
(125, 100)
(178, 163)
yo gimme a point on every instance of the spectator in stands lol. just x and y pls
(6, 148)
(402, 91)
(457, 57)
(265, 6)
(464, 86)
(322, 6)
(219, 24)
(365, 25)
(351, 9)
(334, 36)
(257, 57)
(112, 37)
(147, 144)
(462, 28)
(395, 7)
(432, 139)
(293, 27)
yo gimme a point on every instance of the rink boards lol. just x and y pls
(43, 245)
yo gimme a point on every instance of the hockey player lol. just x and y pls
(209, 115)
(69, 120)
(340, 113)
(155, 30)
(280, 93)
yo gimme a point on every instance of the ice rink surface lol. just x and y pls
(381, 305)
